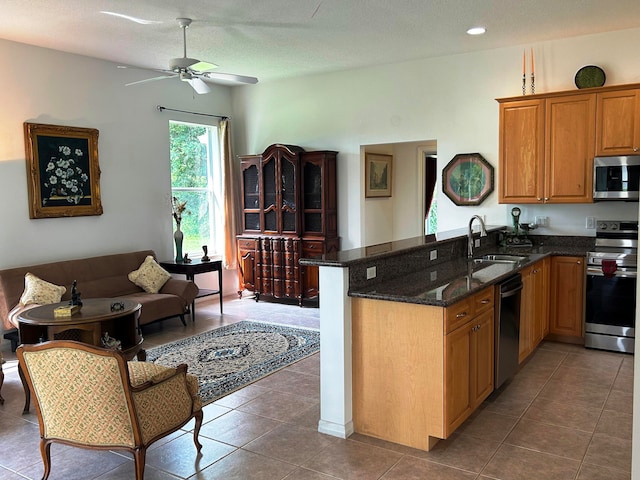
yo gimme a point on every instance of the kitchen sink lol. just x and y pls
(500, 258)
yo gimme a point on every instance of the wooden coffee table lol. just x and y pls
(94, 319)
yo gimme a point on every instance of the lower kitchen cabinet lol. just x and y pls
(469, 369)
(419, 371)
(566, 312)
(534, 307)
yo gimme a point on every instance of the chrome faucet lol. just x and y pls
(483, 233)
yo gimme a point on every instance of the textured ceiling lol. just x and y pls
(274, 39)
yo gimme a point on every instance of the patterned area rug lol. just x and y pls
(233, 356)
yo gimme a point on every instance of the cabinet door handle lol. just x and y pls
(635, 149)
(546, 199)
(484, 301)
(579, 262)
(539, 199)
(462, 314)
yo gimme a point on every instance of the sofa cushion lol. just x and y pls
(150, 276)
(40, 292)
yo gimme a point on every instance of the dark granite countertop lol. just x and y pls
(451, 281)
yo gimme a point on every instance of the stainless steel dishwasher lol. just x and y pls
(507, 327)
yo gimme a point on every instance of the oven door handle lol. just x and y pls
(597, 272)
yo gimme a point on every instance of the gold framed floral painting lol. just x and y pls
(63, 173)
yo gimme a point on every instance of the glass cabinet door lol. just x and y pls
(251, 197)
(312, 200)
(270, 204)
(288, 195)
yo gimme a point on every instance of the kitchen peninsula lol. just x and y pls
(397, 348)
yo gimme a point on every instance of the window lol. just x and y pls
(196, 177)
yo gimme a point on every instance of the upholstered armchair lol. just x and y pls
(91, 397)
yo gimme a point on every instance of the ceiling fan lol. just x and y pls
(194, 71)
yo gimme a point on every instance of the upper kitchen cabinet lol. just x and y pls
(546, 149)
(618, 123)
(521, 170)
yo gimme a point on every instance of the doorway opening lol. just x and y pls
(430, 194)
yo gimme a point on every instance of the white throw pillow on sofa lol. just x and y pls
(150, 276)
(40, 292)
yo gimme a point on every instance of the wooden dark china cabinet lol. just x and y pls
(289, 211)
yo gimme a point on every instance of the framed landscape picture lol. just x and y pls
(378, 170)
(63, 174)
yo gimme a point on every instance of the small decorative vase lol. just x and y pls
(178, 236)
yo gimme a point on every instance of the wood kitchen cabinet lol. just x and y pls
(566, 312)
(289, 211)
(419, 371)
(618, 123)
(469, 368)
(534, 307)
(546, 149)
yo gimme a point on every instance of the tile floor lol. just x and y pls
(565, 415)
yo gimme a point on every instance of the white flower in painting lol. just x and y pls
(66, 179)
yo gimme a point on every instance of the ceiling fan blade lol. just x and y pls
(232, 77)
(164, 77)
(198, 85)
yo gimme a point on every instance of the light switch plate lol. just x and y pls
(590, 223)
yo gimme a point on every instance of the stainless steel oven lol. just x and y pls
(611, 287)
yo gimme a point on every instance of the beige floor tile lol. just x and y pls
(620, 402)
(564, 415)
(615, 424)
(489, 425)
(353, 460)
(243, 465)
(594, 472)
(409, 468)
(516, 463)
(304, 474)
(578, 393)
(602, 377)
(610, 452)
(238, 428)
(291, 443)
(546, 438)
(623, 383)
(594, 360)
(278, 405)
(242, 396)
(461, 451)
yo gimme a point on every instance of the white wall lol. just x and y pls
(450, 100)
(46, 86)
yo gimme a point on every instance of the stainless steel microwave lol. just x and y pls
(616, 178)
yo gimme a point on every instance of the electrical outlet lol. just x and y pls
(433, 254)
(590, 222)
(477, 243)
(542, 221)
(371, 272)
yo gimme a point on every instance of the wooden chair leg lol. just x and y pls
(183, 320)
(1, 380)
(45, 452)
(196, 430)
(27, 392)
(139, 458)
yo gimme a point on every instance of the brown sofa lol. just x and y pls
(100, 277)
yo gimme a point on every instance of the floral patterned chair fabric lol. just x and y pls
(92, 397)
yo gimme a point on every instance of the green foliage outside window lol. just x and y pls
(190, 182)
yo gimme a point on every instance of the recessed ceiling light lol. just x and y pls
(476, 30)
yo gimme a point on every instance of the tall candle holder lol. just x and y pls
(533, 84)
